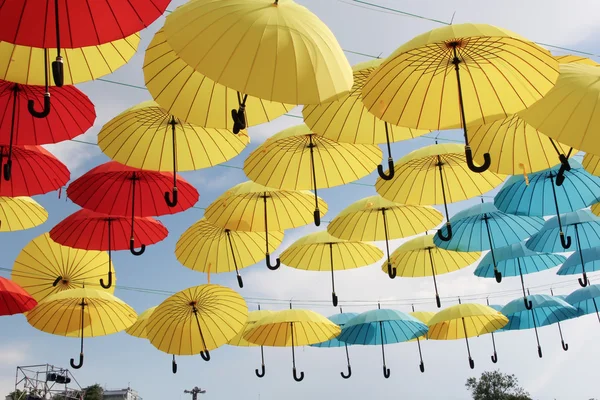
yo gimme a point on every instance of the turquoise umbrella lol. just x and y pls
(545, 310)
(585, 300)
(484, 227)
(539, 196)
(517, 260)
(573, 265)
(582, 223)
(340, 319)
(381, 327)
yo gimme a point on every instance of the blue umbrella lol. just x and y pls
(540, 196)
(381, 327)
(585, 226)
(572, 266)
(484, 227)
(517, 260)
(499, 309)
(545, 310)
(340, 319)
(586, 300)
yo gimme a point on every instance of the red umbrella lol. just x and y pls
(35, 171)
(73, 115)
(116, 189)
(90, 230)
(14, 299)
(74, 23)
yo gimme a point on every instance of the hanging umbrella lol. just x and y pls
(484, 227)
(424, 317)
(253, 318)
(582, 223)
(193, 97)
(436, 174)
(251, 207)
(381, 327)
(146, 136)
(585, 300)
(340, 320)
(207, 248)
(476, 320)
(233, 44)
(591, 163)
(420, 257)
(95, 23)
(516, 260)
(545, 310)
(110, 188)
(14, 299)
(25, 65)
(361, 221)
(416, 87)
(539, 196)
(345, 120)
(498, 308)
(320, 251)
(20, 213)
(298, 159)
(81, 313)
(44, 267)
(292, 328)
(570, 58)
(217, 312)
(33, 171)
(515, 147)
(89, 230)
(573, 266)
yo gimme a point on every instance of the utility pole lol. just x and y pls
(194, 392)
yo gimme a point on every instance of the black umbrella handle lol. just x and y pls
(174, 365)
(390, 175)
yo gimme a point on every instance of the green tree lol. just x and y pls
(94, 392)
(17, 395)
(495, 385)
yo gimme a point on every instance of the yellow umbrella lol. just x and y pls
(45, 267)
(252, 207)
(192, 97)
(420, 257)
(569, 58)
(138, 329)
(569, 112)
(208, 248)
(82, 313)
(424, 317)
(22, 64)
(360, 221)
(436, 174)
(146, 136)
(346, 119)
(476, 319)
(274, 50)
(591, 163)
(20, 213)
(496, 73)
(292, 328)
(314, 251)
(218, 312)
(253, 317)
(297, 159)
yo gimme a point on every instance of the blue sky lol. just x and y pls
(118, 360)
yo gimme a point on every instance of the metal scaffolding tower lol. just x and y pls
(46, 381)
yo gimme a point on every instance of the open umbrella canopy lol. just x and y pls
(192, 97)
(234, 43)
(14, 299)
(516, 260)
(591, 163)
(138, 329)
(20, 213)
(341, 320)
(580, 223)
(477, 319)
(22, 64)
(44, 267)
(382, 326)
(253, 318)
(546, 310)
(573, 265)
(585, 300)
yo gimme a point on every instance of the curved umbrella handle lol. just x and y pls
(171, 203)
(109, 284)
(382, 174)
(77, 366)
(386, 372)
(296, 377)
(565, 346)
(441, 235)
(565, 166)
(391, 270)
(471, 363)
(239, 119)
(583, 282)
(498, 275)
(487, 161)
(349, 373)
(540, 351)
(58, 73)
(565, 241)
(174, 365)
(317, 217)
(495, 358)
(438, 301)
(240, 281)
(528, 304)
(422, 367)
(334, 299)
(7, 170)
(205, 355)
(39, 114)
(262, 371)
(273, 267)
(133, 250)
